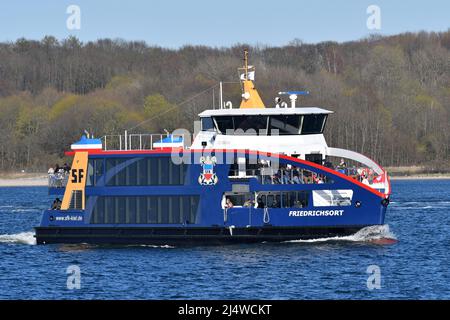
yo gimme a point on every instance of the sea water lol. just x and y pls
(417, 266)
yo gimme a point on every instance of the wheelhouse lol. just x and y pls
(275, 121)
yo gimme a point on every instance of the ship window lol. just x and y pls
(313, 123)
(109, 209)
(131, 210)
(207, 124)
(250, 125)
(144, 172)
(281, 199)
(285, 125)
(331, 198)
(145, 210)
(120, 210)
(296, 199)
(224, 123)
(239, 199)
(95, 171)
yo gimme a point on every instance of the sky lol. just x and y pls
(173, 23)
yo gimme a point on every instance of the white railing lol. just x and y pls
(139, 141)
(58, 180)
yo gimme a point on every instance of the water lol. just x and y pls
(416, 267)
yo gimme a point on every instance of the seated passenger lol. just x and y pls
(248, 203)
(229, 204)
(365, 180)
(295, 178)
(298, 204)
(56, 204)
(260, 204)
(342, 164)
(276, 179)
(275, 204)
(283, 176)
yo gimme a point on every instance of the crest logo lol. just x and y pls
(208, 177)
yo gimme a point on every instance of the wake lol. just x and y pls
(373, 234)
(18, 238)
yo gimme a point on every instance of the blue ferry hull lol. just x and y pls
(208, 222)
(186, 236)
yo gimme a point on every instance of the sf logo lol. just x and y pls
(77, 175)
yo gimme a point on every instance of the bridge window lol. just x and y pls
(224, 123)
(145, 210)
(207, 124)
(250, 125)
(313, 123)
(292, 124)
(285, 124)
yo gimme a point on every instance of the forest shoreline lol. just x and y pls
(41, 179)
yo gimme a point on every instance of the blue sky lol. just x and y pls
(172, 23)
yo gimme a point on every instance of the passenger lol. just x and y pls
(229, 204)
(51, 171)
(249, 203)
(276, 179)
(275, 204)
(365, 180)
(295, 178)
(260, 204)
(298, 204)
(57, 167)
(56, 204)
(328, 164)
(66, 168)
(342, 164)
(284, 176)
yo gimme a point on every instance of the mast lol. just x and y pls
(250, 96)
(246, 63)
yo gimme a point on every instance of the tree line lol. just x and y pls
(391, 95)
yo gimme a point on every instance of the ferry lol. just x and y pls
(250, 174)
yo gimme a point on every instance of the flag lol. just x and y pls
(250, 76)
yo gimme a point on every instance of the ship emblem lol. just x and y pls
(208, 177)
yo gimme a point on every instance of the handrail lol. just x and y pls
(58, 179)
(141, 141)
(352, 155)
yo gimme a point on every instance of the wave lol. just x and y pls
(374, 234)
(20, 238)
(164, 246)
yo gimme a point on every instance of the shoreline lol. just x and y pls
(422, 177)
(24, 180)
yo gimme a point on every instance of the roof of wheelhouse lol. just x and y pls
(264, 111)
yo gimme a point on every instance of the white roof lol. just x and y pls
(264, 111)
